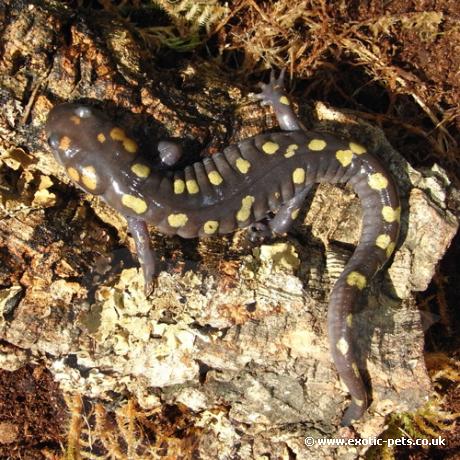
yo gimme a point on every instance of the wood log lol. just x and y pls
(229, 325)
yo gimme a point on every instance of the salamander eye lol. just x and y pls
(83, 112)
(53, 141)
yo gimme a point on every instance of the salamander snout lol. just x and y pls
(66, 127)
(53, 140)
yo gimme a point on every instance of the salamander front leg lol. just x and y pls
(274, 94)
(170, 152)
(145, 253)
(288, 212)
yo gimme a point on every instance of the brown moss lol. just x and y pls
(32, 407)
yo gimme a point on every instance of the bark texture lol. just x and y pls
(231, 329)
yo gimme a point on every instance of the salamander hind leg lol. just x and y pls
(273, 94)
(145, 253)
(259, 232)
(281, 222)
(288, 212)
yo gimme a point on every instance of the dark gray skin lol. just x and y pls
(268, 174)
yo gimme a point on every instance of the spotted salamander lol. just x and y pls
(260, 181)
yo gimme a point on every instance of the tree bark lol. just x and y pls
(230, 328)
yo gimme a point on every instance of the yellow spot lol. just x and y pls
(295, 214)
(245, 210)
(179, 186)
(390, 214)
(357, 148)
(89, 177)
(358, 402)
(277, 195)
(215, 178)
(390, 249)
(129, 145)
(210, 227)
(192, 186)
(349, 320)
(177, 220)
(140, 170)
(298, 176)
(284, 100)
(270, 147)
(242, 165)
(355, 369)
(101, 138)
(377, 181)
(344, 157)
(317, 145)
(342, 346)
(117, 134)
(138, 205)
(290, 151)
(73, 174)
(75, 120)
(356, 279)
(383, 241)
(65, 142)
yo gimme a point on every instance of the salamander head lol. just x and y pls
(65, 126)
(88, 145)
